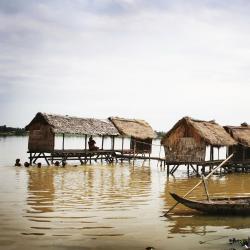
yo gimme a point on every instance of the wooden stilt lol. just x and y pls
(63, 142)
(134, 152)
(52, 158)
(122, 148)
(36, 157)
(195, 170)
(205, 186)
(45, 157)
(85, 149)
(80, 159)
(102, 146)
(211, 153)
(167, 170)
(102, 141)
(31, 159)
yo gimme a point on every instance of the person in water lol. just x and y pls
(92, 143)
(26, 164)
(18, 164)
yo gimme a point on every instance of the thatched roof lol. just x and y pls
(138, 129)
(211, 132)
(240, 133)
(75, 125)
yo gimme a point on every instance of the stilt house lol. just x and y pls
(140, 132)
(188, 140)
(43, 128)
(241, 134)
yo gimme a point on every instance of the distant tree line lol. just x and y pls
(5, 131)
(160, 134)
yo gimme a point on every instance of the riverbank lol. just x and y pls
(11, 131)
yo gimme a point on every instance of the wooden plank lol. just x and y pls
(63, 142)
(45, 157)
(36, 157)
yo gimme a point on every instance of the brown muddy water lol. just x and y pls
(117, 206)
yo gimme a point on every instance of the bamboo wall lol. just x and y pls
(241, 153)
(184, 144)
(41, 138)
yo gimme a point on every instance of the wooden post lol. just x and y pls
(134, 152)
(63, 143)
(102, 146)
(46, 159)
(167, 170)
(211, 153)
(85, 149)
(31, 159)
(112, 143)
(205, 186)
(122, 148)
(244, 154)
(244, 157)
(102, 141)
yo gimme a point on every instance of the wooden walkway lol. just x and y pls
(88, 156)
(85, 156)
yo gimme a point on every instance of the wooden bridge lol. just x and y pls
(116, 155)
(87, 156)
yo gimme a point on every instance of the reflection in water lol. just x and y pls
(41, 190)
(110, 207)
(203, 224)
(74, 201)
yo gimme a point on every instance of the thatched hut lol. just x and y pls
(43, 128)
(241, 134)
(140, 132)
(188, 139)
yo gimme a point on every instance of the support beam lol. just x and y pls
(167, 170)
(211, 153)
(205, 187)
(85, 149)
(134, 152)
(31, 159)
(102, 142)
(63, 142)
(122, 148)
(36, 157)
(80, 159)
(45, 157)
(244, 154)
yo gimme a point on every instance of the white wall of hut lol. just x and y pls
(217, 155)
(78, 142)
(73, 142)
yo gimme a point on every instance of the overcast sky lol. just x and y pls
(157, 60)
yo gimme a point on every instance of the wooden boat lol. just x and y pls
(222, 206)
